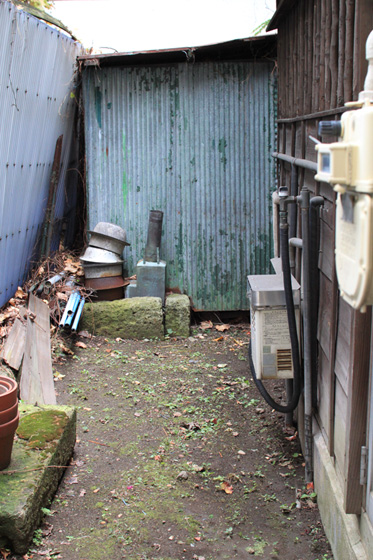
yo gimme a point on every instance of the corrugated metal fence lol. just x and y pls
(37, 66)
(192, 140)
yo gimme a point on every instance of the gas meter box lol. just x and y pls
(349, 162)
(270, 338)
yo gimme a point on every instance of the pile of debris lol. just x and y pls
(29, 319)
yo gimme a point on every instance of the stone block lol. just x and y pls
(177, 315)
(135, 318)
(45, 444)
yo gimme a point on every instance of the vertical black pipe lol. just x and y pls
(292, 233)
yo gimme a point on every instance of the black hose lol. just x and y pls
(292, 404)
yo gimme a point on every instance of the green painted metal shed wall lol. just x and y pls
(195, 141)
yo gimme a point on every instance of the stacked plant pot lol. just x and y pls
(9, 418)
(103, 263)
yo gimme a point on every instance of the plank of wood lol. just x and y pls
(14, 347)
(357, 409)
(36, 384)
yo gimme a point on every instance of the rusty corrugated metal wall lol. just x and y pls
(195, 141)
(37, 66)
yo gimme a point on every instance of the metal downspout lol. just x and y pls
(289, 385)
(304, 200)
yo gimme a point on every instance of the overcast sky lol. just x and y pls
(131, 25)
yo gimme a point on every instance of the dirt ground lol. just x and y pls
(177, 457)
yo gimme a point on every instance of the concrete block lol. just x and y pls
(46, 437)
(342, 530)
(136, 318)
(177, 315)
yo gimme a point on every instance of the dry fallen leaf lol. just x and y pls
(205, 325)
(228, 489)
(80, 344)
(20, 293)
(222, 328)
(66, 350)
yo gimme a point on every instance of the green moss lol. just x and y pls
(42, 427)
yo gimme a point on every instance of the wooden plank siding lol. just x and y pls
(357, 409)
(321, 62)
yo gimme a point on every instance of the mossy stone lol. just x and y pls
(32, 478)
(42, 427)
(134, 318)
(177, 315)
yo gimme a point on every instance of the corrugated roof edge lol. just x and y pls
(283, 7)
(262, 47)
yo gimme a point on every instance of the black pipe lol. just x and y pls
(293, 402)
(315, 203)
(304, 163)
(153, 242)
(293, 216)
(293, 207)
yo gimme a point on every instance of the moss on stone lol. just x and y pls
(42, 427)
(177, 319)
(135, 318)
(30, 481)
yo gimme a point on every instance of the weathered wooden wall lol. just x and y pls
(321, 62)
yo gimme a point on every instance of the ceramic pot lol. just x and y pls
(8, 392)
(8, 414)
(7, 432)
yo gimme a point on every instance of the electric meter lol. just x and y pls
(348, 166)
(270, 337)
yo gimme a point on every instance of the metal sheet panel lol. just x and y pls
(37, 66)
(192, 140)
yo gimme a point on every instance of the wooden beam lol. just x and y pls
(357, 409)
(14, 347)
(36, 384)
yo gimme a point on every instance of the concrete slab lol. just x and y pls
(135, 318)
(44, 443)
(177, 315)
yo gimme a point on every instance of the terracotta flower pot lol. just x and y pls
(8, 414)
(8, 392)
(7, 432)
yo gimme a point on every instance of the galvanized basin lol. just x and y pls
(97, 270)
(109, 237)
(101, 256)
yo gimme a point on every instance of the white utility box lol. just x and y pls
(270, 338)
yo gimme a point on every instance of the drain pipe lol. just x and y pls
(304, 201)
(153, 242)
(275, 205)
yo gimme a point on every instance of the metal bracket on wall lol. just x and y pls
(363, 465)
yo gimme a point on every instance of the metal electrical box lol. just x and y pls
(270, 338)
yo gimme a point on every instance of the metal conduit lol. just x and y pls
(305, 163)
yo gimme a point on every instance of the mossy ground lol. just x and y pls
(177, 458)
